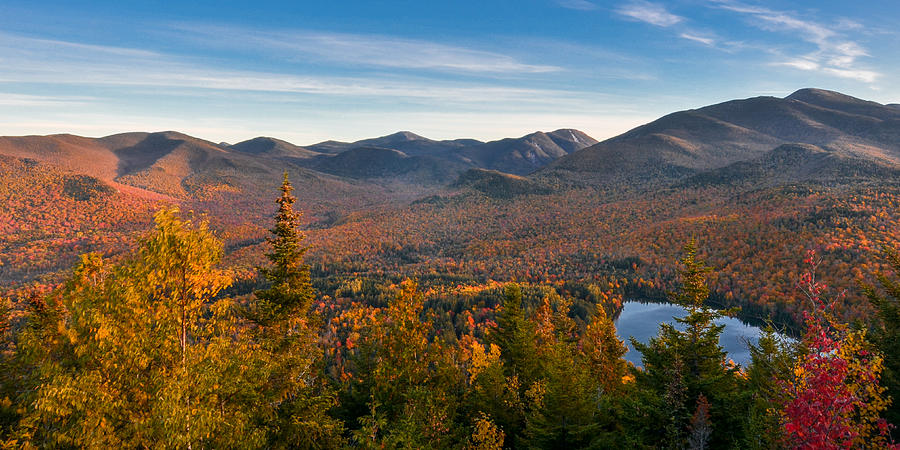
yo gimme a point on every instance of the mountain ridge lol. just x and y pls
(718, 135)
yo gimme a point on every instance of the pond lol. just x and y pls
(641, 320)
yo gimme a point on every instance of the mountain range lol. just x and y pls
(678, 145)
(764, 174)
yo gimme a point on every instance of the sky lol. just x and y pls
(308, 71)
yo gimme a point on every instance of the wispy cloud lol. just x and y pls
(56, 62)
(581, 5)
(799, 63)
(867, 76)
(25, 100)
(360, 50)
(652, 13)
(696, 38)
(834, 53)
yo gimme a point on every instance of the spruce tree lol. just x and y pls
(885, 332)
(290, 293)
(286, 330)
(515, 335)
(696, 354)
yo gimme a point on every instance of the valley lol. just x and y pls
(757, 182)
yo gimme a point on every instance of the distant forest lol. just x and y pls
(162, 346)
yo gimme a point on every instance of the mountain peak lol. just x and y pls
(801, 94)
(406, 136)
(842, 102)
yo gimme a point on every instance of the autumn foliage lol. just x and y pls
(834, 399)
(164, 346)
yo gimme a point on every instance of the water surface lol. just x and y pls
(641, 320)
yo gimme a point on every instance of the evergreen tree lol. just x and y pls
(287, 331)
(700, 362)
(564, 406)
(409, 381)
(515, 335)
(290, 293)
(603, 353)
(885, 331)
(772, 362)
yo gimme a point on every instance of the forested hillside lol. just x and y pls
(151, 349)
(455, 293)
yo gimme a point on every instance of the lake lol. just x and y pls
(641, 320)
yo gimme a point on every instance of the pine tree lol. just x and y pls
(602, 353)
(771, 365)
(515, 335)
(291, 292)
(564, 403)
(696, 354)
(408, 380)
(287, 331)
(885, 332)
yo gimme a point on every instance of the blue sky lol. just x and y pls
(307, 71)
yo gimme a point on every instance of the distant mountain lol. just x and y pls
(272, 147)
(740, 130)
(66, 151)
(405, 141)
(388, 164)
(179, 166)
(528, 153)
(513, 155)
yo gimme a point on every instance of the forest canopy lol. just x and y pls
(160, 348)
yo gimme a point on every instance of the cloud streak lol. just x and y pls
(580, 5)
(54, 62)
(696, 38)
(652, 13)
(25, 100)
(360, 50)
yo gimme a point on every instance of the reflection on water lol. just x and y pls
(641, 320)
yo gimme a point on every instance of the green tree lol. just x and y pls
(287, 331)
(515, 335)
(772, 360)
(603, 353)
(885, 330)
(700, 366)
(290, 293)
(516, 338)
(564, 403)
